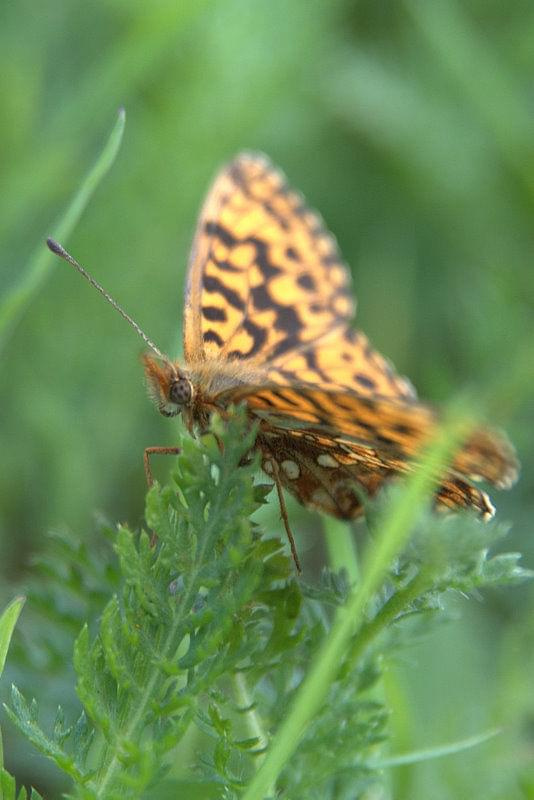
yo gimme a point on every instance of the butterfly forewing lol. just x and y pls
(342, 358)
(265, 275)
(267, 284)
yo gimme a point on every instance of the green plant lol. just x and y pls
(214, 672)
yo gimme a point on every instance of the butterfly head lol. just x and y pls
(168, 386)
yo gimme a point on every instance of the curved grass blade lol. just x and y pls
(40, 264)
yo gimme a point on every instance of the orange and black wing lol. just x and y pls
(267, 284)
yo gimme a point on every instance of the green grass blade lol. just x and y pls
(40, 263)
(429, 753)
(394, 534)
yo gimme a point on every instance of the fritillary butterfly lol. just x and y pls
(267, 314)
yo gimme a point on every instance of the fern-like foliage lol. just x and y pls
(205, 641)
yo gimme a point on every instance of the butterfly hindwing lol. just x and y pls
(377, 434)
(336, 476)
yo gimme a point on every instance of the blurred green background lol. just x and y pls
(409, 125)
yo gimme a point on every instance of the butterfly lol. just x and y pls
(268, 323)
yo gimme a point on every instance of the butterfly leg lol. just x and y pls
(285, 517)
(150, 451)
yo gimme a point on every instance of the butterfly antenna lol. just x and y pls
(60, 251)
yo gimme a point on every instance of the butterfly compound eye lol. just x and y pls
(180, 392)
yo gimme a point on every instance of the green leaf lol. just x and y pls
(8, 620)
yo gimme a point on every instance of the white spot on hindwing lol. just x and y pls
(291, 469)
(322, 499)
(267, 466)
(326, 460)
